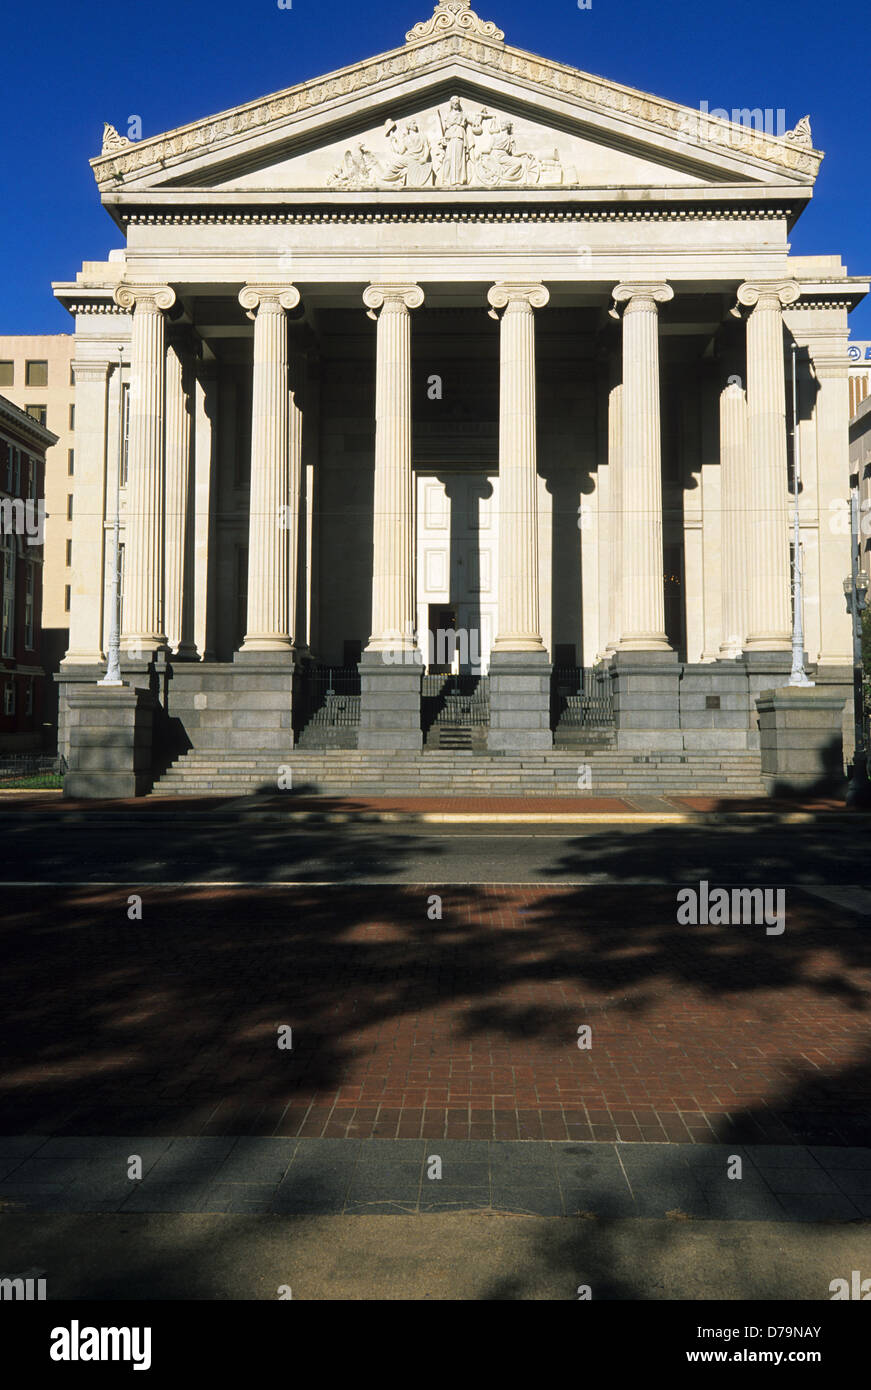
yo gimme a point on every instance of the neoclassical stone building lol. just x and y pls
(458, 338)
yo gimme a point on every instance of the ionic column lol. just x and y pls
(615, 480)
(735, 500)
(642, 600)
(143, 629)
(269, 594)
(393, 528)
(519, 627)
(769, 615)
(178, 602)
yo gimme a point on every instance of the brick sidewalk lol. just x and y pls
(54, 803)
(405, 1027)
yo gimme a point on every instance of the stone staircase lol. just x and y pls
(455, 772)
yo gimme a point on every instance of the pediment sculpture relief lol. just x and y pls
(475, 150)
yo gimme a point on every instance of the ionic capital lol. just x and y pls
(146, 299)
(640, 295)
(270, 298)
(517, 295)
(395, 298)
(768, 294)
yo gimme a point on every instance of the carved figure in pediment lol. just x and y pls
(497, 163)
(357, 170)
(411, 165)
(468, 150)
(455, 145)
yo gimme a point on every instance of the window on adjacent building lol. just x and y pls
(28, 697)
(71, 459)
(39, 413)
(66, 598)
(72, 374)
(6, 461)
(69, 553)
(7, 373)
(72, 417)
(29, 606)
(9, 698)
(69, 506)
(36, 373)
(31, 479)
(7, 614)
(16, 477)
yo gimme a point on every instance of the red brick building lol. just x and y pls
(23, 444)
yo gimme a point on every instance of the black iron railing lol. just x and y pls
(581, 696)
(20, 767)
(328, 696)
(457, 700)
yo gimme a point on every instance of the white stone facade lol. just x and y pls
(568, 427)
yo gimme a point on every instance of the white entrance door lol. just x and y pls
(457, 564)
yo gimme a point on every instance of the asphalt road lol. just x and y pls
(127, 846)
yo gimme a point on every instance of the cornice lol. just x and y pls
(19, 419)
(218, 132)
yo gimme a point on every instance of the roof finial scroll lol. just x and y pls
(455, 17)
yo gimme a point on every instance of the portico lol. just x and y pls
(459, 331)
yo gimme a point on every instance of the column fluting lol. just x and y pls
(519, 623)
(270, 512)
(769, 613)
(642, 607)
(734, 498)
(393, 598)
(144, 620)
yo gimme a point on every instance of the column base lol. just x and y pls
(265, 646)
(646, 691)
(644, 642)
(390, 701)
(519, 702)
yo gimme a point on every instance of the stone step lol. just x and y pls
(444, 772)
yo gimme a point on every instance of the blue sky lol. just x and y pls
(68, 67)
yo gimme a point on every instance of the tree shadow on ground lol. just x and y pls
(169, 1024)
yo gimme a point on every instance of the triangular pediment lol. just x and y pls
(455, 110)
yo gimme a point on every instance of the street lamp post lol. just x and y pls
(113, 664)
(797, 675)
(856, 592)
